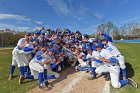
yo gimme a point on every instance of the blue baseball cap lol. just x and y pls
(99, 45)
(53, 41)
(36, 32)
(42, 32)
(56, 52)
(50, 50)
(88, 48)
(85, 35)
(103, 39)
(36, 40)
(28, 34)
(77, 31)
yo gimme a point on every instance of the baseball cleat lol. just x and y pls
(87, 70)
(76, 68)
(107, 78)
(21, 79)
(10, 77)
(47, 84)
(132, 83)
(41, 86)
(91, 78)
(105, 75)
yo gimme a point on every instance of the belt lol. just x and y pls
(111, 65)
(118, 55)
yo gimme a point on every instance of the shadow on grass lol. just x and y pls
(129, 71)
(29, 80)
(6, 77)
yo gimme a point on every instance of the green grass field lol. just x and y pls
(11, 86)
(129, 50)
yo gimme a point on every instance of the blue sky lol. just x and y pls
(82, 15)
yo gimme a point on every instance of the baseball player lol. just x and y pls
(49, 56)
(37, 69)
(110, 65)
(108, 44)
(85, 38)
(95, 41)
(18, 56)
(36, 34)
(92, 57)
(59, 61)
(82, 61)
(38, 54)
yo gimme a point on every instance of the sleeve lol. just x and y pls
(108, 37)
(97, 60)
(38, 53)
(53, 66)
(38, 57)
(27, 49)
(111, 57)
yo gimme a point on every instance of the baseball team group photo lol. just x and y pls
(69, 46)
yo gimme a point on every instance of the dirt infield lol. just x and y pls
(73, 82)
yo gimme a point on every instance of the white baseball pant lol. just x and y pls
(114, 74)
(35, 68)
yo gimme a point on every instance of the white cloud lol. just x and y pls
(11, 16)
(132, 19)
(63, 8)
(38, 22)
(13, 27)
(19, 18)
(59, 6)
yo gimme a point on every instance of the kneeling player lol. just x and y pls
(110, 65)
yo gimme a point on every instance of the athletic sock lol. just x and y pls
(51, 77)
(12, 68)
(25, 68)
(45, 74)
(124, 82)
(21, 69)
(40, 78)
(123, 72)
(93, 71)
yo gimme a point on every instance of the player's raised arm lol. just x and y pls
(105, 36)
